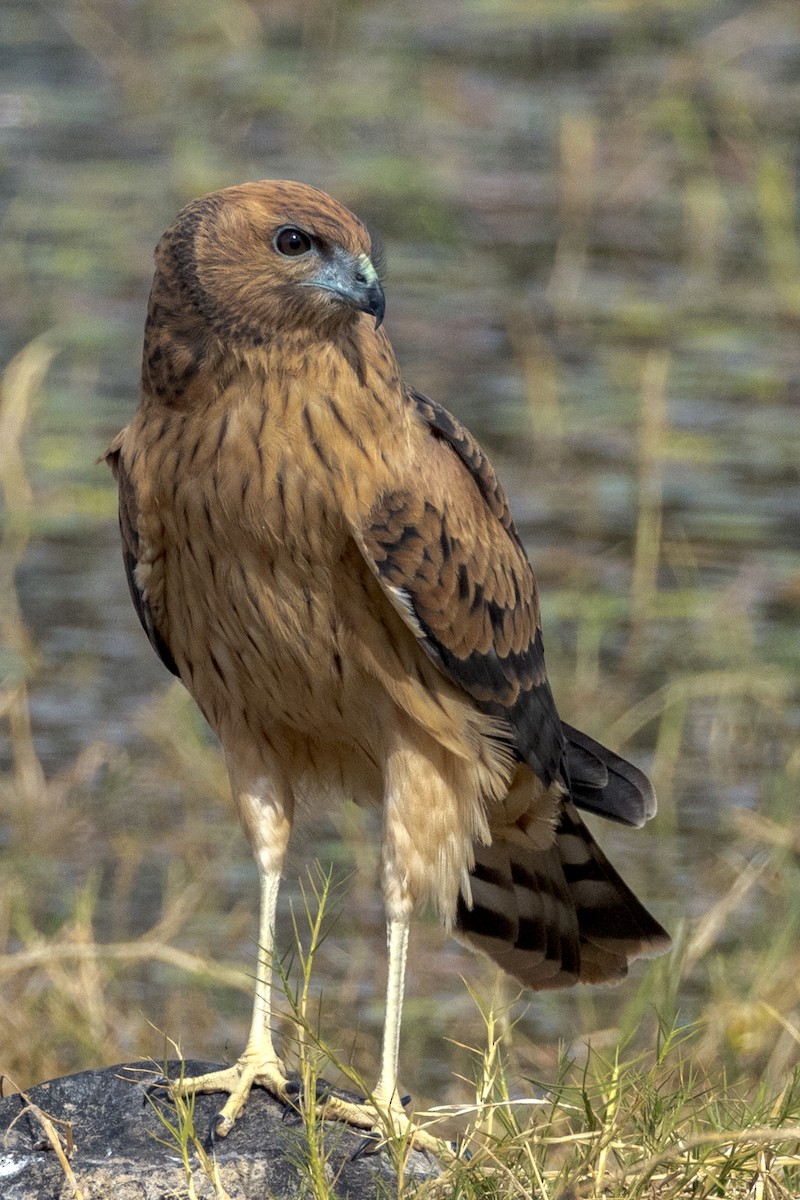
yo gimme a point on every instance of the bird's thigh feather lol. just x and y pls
(433, 817)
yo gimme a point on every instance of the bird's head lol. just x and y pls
(268, 256)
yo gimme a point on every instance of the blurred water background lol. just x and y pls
(589, 218)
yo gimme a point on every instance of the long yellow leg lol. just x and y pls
(259, 1064)
(265, 809)
(385, 1103)
(397, 943)
(265, 806)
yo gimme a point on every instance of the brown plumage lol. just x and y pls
(327, 561)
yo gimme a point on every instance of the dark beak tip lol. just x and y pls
(377, 304)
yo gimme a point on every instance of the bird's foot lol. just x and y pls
(252, 1070)
(382, 1124)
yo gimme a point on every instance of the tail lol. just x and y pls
(555, 916)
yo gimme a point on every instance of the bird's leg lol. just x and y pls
(384, 1097)
(384, 1109)
(259, 1043)
(268, 826)
(259, 1064)
(385, 1094)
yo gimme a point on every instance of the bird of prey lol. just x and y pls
(327, 561)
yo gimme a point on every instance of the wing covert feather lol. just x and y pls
(449, 558)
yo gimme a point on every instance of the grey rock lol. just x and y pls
(120, 1151)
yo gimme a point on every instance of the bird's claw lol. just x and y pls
(370, 1143)
(160, 1083)
(292, 1095)
(217, 1130)
(295, 1088)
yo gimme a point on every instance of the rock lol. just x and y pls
(124, 1152)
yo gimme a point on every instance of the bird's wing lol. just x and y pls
(601, 782)
(451, 561)
(129, 530)
(447, 554)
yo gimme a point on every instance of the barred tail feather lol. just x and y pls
(553, 917)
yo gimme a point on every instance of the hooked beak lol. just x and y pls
(355, 281)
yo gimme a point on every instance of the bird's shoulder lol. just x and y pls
(444, 427)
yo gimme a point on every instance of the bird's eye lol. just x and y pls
(292, 242)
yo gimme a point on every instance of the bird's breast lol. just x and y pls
(253, 500)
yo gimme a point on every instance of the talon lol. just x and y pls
(221, 1126)
(159, 1084)
(292, 1095)
(369, 1144)
(215, 1134)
